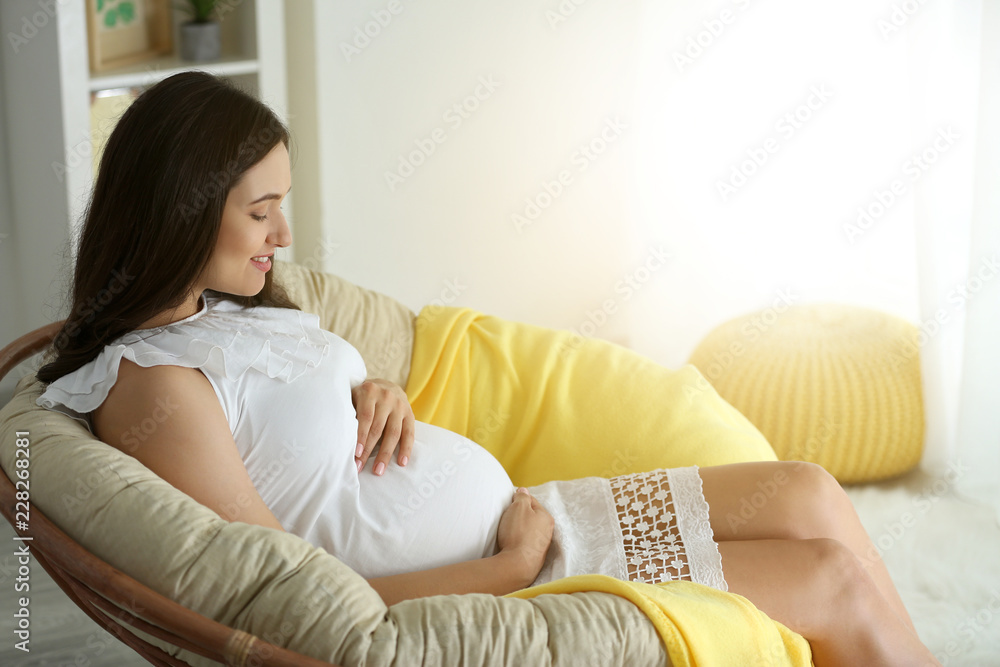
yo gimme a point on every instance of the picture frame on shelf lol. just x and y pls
(125, 32)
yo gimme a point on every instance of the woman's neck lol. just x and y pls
(184, 311)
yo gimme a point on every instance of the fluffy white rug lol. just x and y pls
(942, 549)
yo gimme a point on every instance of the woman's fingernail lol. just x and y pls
(379, 468)
(359, 465)
(403, 460)
(359, 451)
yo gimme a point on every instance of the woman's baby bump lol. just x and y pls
(443, 506)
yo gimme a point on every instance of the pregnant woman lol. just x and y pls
(268, 419)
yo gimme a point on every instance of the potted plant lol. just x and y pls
(200, 40)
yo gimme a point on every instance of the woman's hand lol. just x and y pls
(383, 412)
(525, 532)
(523, 536)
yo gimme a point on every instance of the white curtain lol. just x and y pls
(844, 152)
(954, 66)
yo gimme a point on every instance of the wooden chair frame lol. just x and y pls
(95, 586)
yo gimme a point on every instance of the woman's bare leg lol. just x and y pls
(818, 588)
(791, 501)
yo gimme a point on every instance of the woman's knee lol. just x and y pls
(839, 572)
(813, 504)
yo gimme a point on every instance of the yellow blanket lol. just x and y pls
(551, 405)
(699, 625)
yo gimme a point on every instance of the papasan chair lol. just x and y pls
(183, 586)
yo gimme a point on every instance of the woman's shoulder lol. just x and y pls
(143, 396)
(135, 377)
(137, 384)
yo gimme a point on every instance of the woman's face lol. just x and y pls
(253, 225)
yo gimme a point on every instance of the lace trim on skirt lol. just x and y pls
(665, 527)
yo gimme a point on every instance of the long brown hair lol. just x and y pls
(152, 223)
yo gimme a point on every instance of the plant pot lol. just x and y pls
(200, 41)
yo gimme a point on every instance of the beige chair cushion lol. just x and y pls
(380, 327)
(278, 586)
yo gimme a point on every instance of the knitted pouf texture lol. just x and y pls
(834, 384)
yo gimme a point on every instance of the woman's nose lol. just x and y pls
(281, 234)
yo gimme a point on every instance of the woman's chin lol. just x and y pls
(246, 289)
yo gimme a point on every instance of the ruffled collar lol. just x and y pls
(281, 342)
(223, 338)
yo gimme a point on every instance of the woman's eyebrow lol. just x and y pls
(270, 195)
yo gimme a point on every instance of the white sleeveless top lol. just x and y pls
(285, 387)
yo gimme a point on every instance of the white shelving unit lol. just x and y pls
(49, 86)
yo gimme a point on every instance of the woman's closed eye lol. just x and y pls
(259, 218)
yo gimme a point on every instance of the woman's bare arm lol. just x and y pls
(496, 575)
(169, 418)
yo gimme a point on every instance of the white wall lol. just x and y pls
(446, 232)
(10, 305)
(681, 130)
(33, 72)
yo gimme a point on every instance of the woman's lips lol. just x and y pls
(262, 265)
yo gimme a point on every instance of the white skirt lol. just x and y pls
(651, 527)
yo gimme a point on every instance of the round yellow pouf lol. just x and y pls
(834, 384)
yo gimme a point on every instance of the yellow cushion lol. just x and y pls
(834, 384)
(552, 405)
